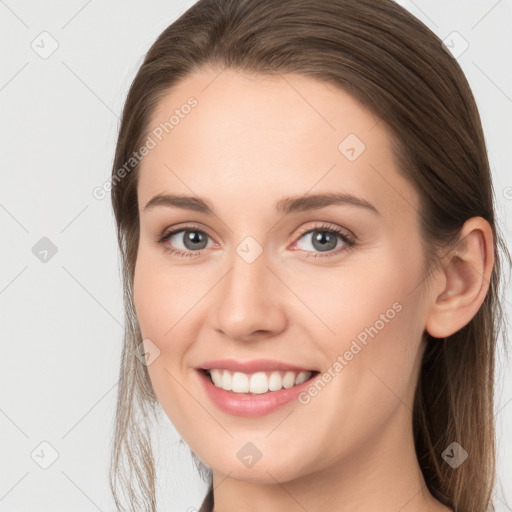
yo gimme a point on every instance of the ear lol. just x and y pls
(462, 285)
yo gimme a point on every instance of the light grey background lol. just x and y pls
(61, 320)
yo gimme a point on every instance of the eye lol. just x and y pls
(191, 239)
(325, 238)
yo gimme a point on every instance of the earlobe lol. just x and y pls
(464, 281)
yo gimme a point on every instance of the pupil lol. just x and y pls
(320, 237)
(194, 237)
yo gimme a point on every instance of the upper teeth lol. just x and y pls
(259, 382)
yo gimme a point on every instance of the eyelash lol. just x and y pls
(348, 240)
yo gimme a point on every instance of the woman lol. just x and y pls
(329, 343)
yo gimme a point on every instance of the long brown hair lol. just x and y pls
(399, 70)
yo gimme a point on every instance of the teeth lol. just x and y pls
(226, 380)
(257, 383)
(302, 377)
(240, 383)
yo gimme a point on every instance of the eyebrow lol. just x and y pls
(284, 206)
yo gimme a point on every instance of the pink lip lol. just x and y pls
(257, 365)
(247, 404)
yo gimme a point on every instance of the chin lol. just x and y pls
(266, 470)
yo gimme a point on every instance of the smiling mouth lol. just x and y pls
(258, 382)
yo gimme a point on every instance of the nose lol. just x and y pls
(249, 301)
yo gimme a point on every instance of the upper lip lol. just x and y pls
(255, 365)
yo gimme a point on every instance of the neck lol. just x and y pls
(383, 475)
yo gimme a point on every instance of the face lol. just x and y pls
(330, 287)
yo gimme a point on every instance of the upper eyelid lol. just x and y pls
(199, 227)
(323, 225)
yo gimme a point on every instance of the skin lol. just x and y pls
(251, 141)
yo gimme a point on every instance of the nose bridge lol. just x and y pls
(248, 298)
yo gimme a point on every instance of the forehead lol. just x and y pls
(226, 132)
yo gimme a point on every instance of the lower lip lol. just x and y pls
(245, 404)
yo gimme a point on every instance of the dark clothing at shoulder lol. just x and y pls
(207, 505)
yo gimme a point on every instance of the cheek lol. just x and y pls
(375, 319)
(147, 298)
(161, 295)
(373, 354)
(159, 311)
(368, 299)
(155, 303)
(166, 302)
